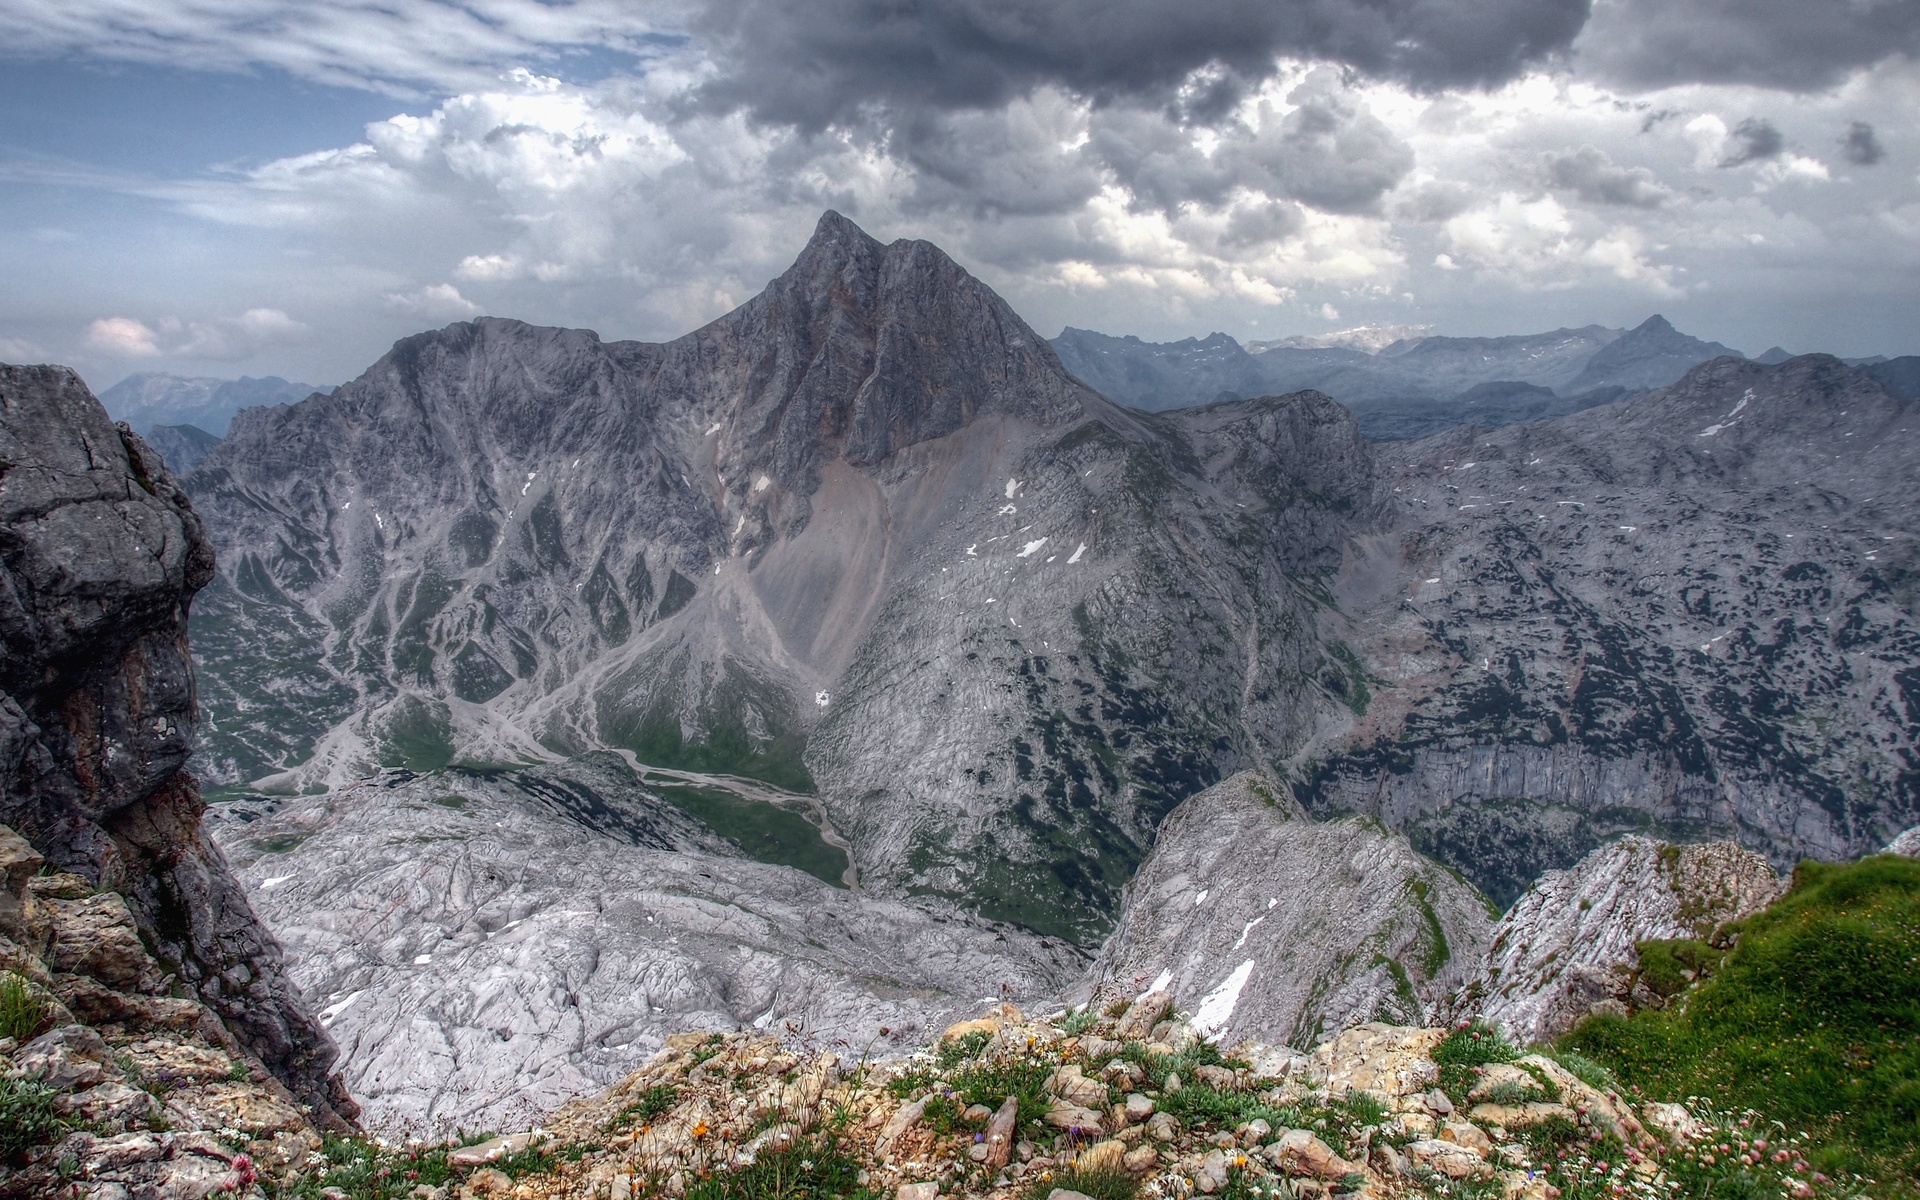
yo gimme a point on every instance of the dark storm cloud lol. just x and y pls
(1860, 145)
(813, 63)
(1799, 45)
(1753, 140)
(1327, 153)
(1589, 174)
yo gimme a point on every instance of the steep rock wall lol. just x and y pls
(100, 555)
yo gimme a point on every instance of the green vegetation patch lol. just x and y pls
(1813, 1019)
(1668, 967)
(764, 832)
(817, 1166)
(1470, 1046)
(1097, 1185)
(419, 736)
(28, 1117)
(22, 1011)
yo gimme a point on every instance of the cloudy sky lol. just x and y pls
(228, 186)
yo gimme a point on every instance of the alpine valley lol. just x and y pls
(851, 664)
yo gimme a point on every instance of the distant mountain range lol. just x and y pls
(149, 400)
(1413, 386)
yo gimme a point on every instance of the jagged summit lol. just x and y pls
(1652, 354)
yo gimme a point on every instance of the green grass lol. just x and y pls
(366, 1170)
(21, 1011)
(764, 832)
(1471, 1046)
(27, 1117)
(1813, 1019)
(1100, 1185)
(1079, 1021)
(816, 1167)
(658, 1100)
(991, 1082)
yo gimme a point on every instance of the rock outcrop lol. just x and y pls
(1268, 926)
(1008, 1105)
(100, 555)
(1567, 947)
(113, 1087)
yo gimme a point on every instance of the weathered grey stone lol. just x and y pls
(485, 955)
(1568, 944)
(1249, 913)
(103, 554)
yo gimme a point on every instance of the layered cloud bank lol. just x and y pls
(1480, 165)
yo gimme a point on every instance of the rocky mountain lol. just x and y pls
(181, 445)
(149, 399)
(1689, 613)
(1900, 376)
(1172, 375)
(100, 557)
(1568, 946)
(1652, 354)
(862, 539)
(1268, 926)
(1160, 376)
(1483, 406)
(488, 946)
(864, 542)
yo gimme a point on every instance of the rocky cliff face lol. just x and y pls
(100, 554)
(1691, 612)
(863, 539)
(1268, 926)
(1567, 947)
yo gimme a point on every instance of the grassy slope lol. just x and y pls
(1813, 1020)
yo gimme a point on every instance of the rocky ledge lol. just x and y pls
(112, 1084)
(1127, 1102)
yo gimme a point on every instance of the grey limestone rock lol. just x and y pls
(489, 946)
(1690, 615)
(1267, 926)
(862, 539)
(100, 555)
(1567, 945)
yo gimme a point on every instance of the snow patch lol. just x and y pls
(1247, 929)
(1217, 1008)
(1727, 420)
(1007, 510)
(333, 1010)
(1201, 898)
(421, 960)
(821, 699)
(1077, 554)
(762, 484)
(1028, 549)
(1013, 488)
(1159, 984)
(276, 881)
(713, 429)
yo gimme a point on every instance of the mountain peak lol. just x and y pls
(1654, 324)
